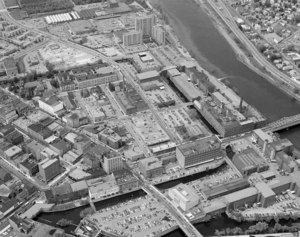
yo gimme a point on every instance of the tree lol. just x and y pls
(86, 212)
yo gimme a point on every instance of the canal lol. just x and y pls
(196, 31)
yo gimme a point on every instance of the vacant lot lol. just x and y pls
(40, 6)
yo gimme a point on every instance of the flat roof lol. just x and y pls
(48, 162)
(211, 142)
(181, 81)
(239, 195)
(79, 186)
(264, 189)
(146, 75)
(151, 163)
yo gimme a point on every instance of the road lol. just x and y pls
(186, 226)
(256, 54)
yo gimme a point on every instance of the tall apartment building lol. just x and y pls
(145, 23)
(49, 169)
(132, 38)
(159, 34)
(111, 164)
(201, 151)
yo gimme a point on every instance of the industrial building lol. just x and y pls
(241, 198)
(248, 162)
(151, 167)
(199, 152)
(185, 87)
(184, 197)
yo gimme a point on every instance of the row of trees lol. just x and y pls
(40, 6)
(259, 228)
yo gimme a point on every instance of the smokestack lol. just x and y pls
(241, 105)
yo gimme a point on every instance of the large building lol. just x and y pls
(201, 151)
(145, 23)
(113, 163)
(228, 113)
(184, 197)
(277, 146)
(266, 195)
(159, 34)
(151, 167)
(49, 169)
(186, 87)
(132, 38)
(51, 104)
(109, 137)
(39, 131)
(125, 180)
(95, 77)
(262, 138)
(248, 162)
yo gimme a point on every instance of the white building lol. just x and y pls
(51, 104)
(145, 23)
(159, 34)
(184, 197)
(132, 38)
(102, 187)
(111, 164)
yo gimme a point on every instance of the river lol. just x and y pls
(197, 33)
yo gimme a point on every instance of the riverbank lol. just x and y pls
(243, 55)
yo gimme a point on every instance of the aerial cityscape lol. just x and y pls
(149, 118)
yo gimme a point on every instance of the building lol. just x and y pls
(148, 76)
(10, 67)
(91, 160)
(132, 38)
(184, 197)
(109, 137)
(60, 147)
(285, 162)
(112, 163)
(95, 77)
(82, 143)
(75, 120)
(159, 34)
(49, 169)
(125, 180)
(8, 114)
(229, 114)
(35, 149)
(102, 188)
(48, 153)
(266, 195)
(39, 131)
(277, 146)
(201, 151)
(22, 226)
(187, 88)
(51, 104)
(12, 152)
(4, 176)
(6, 129)
(248, 162)
(145, 23)
(241, 198)
(30, 167)
(151, 167)
(262, 139)
(15, 138)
